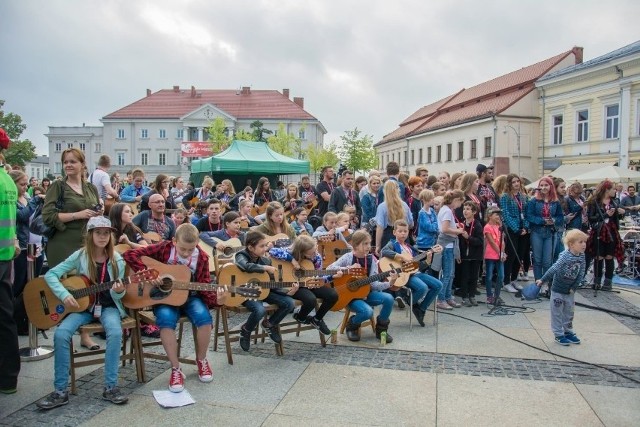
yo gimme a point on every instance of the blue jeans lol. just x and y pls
(559, 245)
(542, 246)
(423, 285)
(285, 304)
(494, 264)
(196, 310)
(110, 320)
(364, 310)
(448, 271)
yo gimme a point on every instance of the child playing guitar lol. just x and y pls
(183, 249)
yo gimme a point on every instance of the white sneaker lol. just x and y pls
(510, 288)
(518, 286)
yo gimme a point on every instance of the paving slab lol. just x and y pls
(362, 396)
(278, 420)
(600, 348)
(591, 321)
(477, 340)
(484, 401)
(615, 406)
(29, 390)
(633, 296)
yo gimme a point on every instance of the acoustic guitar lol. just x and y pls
(259, 209)
(350, 288)
(231, 275)
(152, 237)
(231, 246)
(135, 207)
(175, 287)
(409, 267)
(45, 310)
(286, 272)
(279, 240)
(330, 251)
(108, 203)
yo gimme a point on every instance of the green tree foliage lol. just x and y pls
(321, 157)
(356, 151)
(243, 135)
(259, 132)
(218, 135)
(284, 143)
(19, 152)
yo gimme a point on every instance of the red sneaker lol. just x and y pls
(176, 381)
(205, 373)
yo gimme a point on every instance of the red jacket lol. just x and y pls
(161, 252)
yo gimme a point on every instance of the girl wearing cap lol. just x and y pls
(98, 261)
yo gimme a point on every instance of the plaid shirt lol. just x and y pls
(161, 252)
(511, 212)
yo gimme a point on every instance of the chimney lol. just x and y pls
(193, 92)
(246, 90)
(176, 89)
(578, 52)
(299, 101)
(148, 92)
(285, 93)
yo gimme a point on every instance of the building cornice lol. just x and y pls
(590, 73)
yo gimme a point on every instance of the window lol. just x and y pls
(83, 147)
(413, 157)
(120, 134)
(301, 134)
(428, 154)
(582, 119)
(449, 152)
(420, 156)
(120, 157)
(98, 147)
(69, 144)
(58, 147)
(460, 150)
(180, 134)
(144, 159)
(38, 173)
(405, 157)
(33, 171)
(144, 133)
(556, 122)
(393, 157)
(438, 153)
(474, 149)
(487, 146)
(57, 167)
(162, 159)
(612, 113)
(387, 158)
(162, 134)
(178, 157)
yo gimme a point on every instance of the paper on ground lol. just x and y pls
(168, 399)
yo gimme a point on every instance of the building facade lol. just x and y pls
(37, 168)
(496, 122)
(87, 139)
(591, 112)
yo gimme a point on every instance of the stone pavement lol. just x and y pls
(456, 373)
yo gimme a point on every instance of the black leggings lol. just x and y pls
(518, 250)
(308, 297)
(469, 270)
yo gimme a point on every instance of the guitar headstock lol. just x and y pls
(144, 276)
(409, 266)
(436, 249)
(248, 291)
(356, 271)
(325, 238)
(314, 282)
(281, 243)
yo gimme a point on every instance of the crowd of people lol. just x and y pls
(466, 229)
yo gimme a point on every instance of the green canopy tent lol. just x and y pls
(244, 162)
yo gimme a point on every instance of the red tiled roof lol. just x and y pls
(169, 104)
(488, 98)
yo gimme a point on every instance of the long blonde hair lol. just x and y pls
(230, 189)
(393, 201)
(88, 250)
(271, 208)
(301, 245)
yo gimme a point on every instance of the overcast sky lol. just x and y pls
(368, 64)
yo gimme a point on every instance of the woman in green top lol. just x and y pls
(80, 202)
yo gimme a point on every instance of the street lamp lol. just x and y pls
(517, 132)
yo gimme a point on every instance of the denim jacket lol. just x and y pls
(427, 228)
(22, 219)
(534, 214)
(78, 261)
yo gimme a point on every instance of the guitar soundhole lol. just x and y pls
(163, 290)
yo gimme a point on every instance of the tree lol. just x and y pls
(283, 142)
(218, 135)
(356, 151)
(321, 157)
(259, 132)
(19, 152)
(243, 135)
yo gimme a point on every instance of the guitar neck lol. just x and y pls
(89, 290)
(376, 277)
(194, 286)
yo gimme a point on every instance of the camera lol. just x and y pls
(97, 207)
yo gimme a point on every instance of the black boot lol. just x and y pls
(607, 284)
(382, 326)
(353, 330)
(598, 283)
(245, 338)
(419, 313)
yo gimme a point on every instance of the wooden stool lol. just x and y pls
(147, 316)
(87, 358)
(345, 320)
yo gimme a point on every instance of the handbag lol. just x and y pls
(37, 225)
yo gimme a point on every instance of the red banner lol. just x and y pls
(196, 149)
